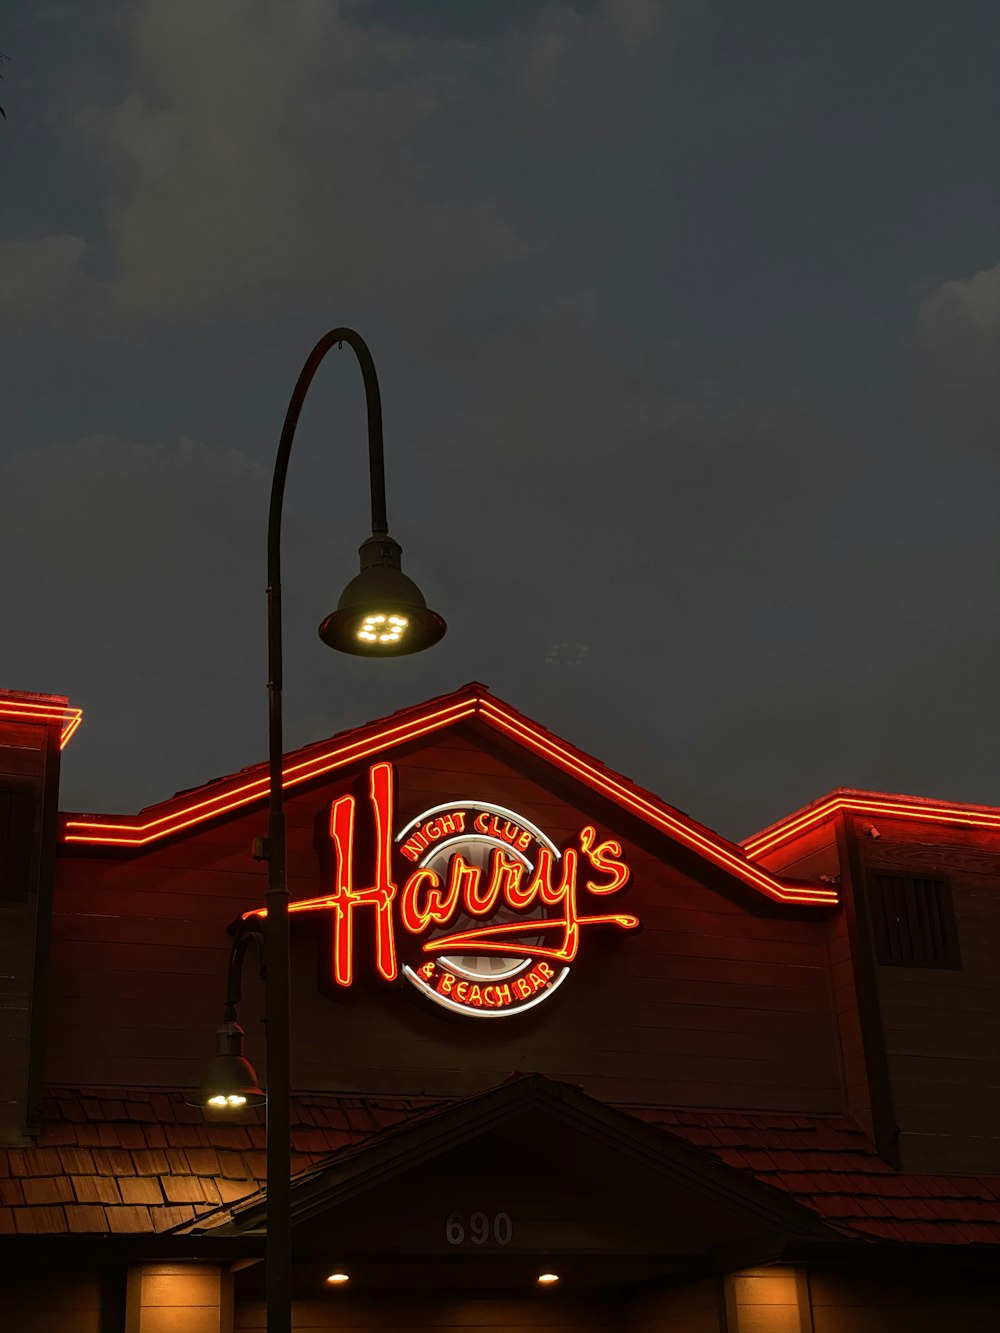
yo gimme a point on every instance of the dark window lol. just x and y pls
(17, 839)
(912, 922)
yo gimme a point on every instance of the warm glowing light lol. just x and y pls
(547, 1279)
(111, 832)
(338, 1279)
(491, 1000)
(500, 939)
(552, 882)
(382, 628)
(870, 803)
(692, 835)
(24, 710)
(136, 832)
(227, 1099)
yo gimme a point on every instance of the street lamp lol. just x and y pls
(231, 1082)
(381, 613)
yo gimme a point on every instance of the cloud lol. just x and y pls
(576, 59)
(266, 150)
(263, 159)
(127, 576)
(48, 290)
(635, 21)
(957, 340)
(579, 454)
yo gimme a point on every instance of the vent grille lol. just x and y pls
(912, 922)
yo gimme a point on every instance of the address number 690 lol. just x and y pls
(481, 1229)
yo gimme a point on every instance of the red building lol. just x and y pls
(542, 1022)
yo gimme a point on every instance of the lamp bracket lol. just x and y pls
(245, 934)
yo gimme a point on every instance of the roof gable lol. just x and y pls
(129, 1162)
(565, 1172)
(472, 703)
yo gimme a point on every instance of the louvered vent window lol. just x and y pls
(912, 922)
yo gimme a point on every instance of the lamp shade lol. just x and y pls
(231, 1082)
(381, 612)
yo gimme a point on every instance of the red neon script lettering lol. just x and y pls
(346, 899)
(425, 901)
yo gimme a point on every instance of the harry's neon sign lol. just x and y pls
(517, 900)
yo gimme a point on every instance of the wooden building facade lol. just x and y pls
(542, 1023)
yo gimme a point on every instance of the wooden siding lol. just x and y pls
(767, 1300)
(59, 1303)
(178, 1298)
(857, 1095)
(605, 1204)
(723, 999)
(23, 752)
(697, 1308)
(849, 1303)
(810, 855)
(941, 1024)
(345, 1312)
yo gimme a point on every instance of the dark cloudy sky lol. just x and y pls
(687, 320)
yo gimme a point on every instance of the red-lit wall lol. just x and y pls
(723, 999)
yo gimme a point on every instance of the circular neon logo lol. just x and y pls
(491, 983)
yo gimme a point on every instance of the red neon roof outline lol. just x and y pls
(850, 800)
(19, 707)
(471, 701)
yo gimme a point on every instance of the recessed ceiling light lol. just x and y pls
(338, 1279)
(547, 1279)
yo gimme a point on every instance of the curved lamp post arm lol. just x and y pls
(382, 613)
(279, 1248)
(376, 461)
(245, 936)
(376, 466)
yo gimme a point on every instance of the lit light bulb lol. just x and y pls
(217, 1101)
(236, 1099)
(381, 627)
(547, 1279)
(337, 1279)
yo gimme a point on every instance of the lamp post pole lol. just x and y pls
(387, 590)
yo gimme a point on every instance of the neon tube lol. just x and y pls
(25, 711)
(136, 832)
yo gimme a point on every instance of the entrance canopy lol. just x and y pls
(530, 1176)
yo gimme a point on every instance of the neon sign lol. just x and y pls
(489, 915)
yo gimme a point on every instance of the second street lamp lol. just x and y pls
(381, 613)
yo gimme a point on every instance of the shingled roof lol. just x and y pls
(110, 1162)
(130, 1162)
(829, 1164)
